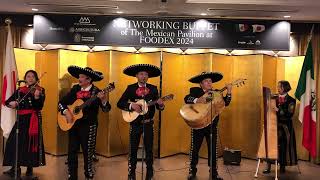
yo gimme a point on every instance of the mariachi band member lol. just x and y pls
(285, 107)
(30, 145)
(84, 130)
(134, 92)
(205, 79)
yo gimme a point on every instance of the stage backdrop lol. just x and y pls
(240, 123)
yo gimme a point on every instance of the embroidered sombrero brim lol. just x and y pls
(214, 76)
(76, 70)
(153, 71)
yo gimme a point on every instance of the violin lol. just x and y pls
(33, 88)
(36, 87)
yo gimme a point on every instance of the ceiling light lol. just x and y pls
(30, 25)
(119, 12)
(35, 9)
(287, 16)
(203, 14)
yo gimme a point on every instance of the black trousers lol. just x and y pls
(136, 130)
(81, 134)
(197, 136)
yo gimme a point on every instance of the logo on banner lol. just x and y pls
(84, 20)
(71, 30)
(250, 42)
(77, 38)
(258, 42)
(255, 28)
(258, 28)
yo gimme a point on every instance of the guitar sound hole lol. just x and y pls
(76, 110)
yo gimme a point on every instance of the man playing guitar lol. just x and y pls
(84, 130)
(205, 80)
(134, 92)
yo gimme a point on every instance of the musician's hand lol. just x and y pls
(160, 102)
(13, 104)
(69, 116)
(229, 88)
(202, 100)
(37, 94)
(136, 107)
(102, 96)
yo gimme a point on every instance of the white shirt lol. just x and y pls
(283, 95)
(87, 88)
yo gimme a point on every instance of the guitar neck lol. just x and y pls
(152, 103)
(155, 102)
(223, 89)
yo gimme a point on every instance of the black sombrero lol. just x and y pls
(94, 75)
(214, 76)
(153, 71)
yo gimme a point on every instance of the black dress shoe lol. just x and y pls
(11, 172)
(268, 169)
(192, 174)
(29, 171)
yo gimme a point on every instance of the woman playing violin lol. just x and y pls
(30, 145)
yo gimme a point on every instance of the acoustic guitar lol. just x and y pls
(199, 115)
(76, 109)
(130, 116)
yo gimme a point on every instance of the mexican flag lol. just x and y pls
(306, 93)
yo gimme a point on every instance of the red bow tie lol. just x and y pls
(83, 94)
(142, 91)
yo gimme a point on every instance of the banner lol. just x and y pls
(161, 32)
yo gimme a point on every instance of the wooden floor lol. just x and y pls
(170, 168)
